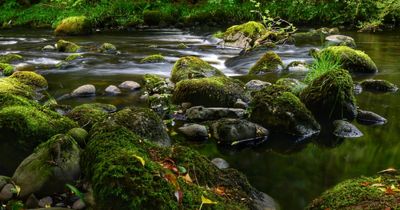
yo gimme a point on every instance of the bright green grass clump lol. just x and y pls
(321, 65)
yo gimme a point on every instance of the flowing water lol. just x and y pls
(293, 175)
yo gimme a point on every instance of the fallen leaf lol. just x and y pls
(205, 200)
(220, 191)
(187, 178)
(171, 178)
(140, 159)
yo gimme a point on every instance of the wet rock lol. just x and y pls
(296, 66)
(378, 85)
(256, 85)
(269, 62)
(194, 131)
(240, 104)
(84, 91)
(237, 131)
(155, 84)
(293, 85)
(314, 35)
(108, 48)
(112, 90)
(24, 67)
(344, 129)
(76, 25)
(262, 201)
(200, 113)
(370, 118)
(130, 85)
(182, 46)
(66, 46)
(79, 204)
(45, 202)
(32, 202)
(52, 165)
(244, 35)
(49, 48)
(340, 40)
(220, 163)
(6, 192)
(357, 88)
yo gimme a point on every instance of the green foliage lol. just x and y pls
(321, 65)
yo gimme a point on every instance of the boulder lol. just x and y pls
(369, 118)
(282, 112)
(344, 129)
(194, 131)
(31, 79)
(112, 90)
(200, 113)
(157, 58)
(84, 91)
(331, 96)
(76, 25)
(108, 48)
(255, 85)
(297, 66)
(192, 67)
(4, 180)
(130, 85)
(317, 35)
(52, 165)
(66, 46)
(269, 62)
(244, 35)
(7, 192)
(209, 92)
(340, 40)
(24, 67)
(378, 85)
(86, 115)
(294, 85)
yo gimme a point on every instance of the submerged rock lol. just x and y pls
(210, 92)
(234, 132)
(157, 58)
(52, 165)
(200, 113)
(192, 67)
(112, 90)
(84, 91)
(194, 131)
(344, 129)
(108, 48)
(369, 118)
(130, 85)
(76, 25)
(244, 35)
(340, 40)
(66, 46)
(378, 85)
(269, 62)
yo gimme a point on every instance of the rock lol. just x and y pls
(86, 115)
(314, 35)
(49, 48)
(79, 135)
(355, 61)
(143, 122)
(234, 132)
(108, 48)
(52, 165)
(262, 201)
(194, 131)
(294, 85)
(269, 62)
(256, 85)
(4, 180)
(244, 35)
(378, 85)
(112, 90)
(298, 66)
(79, 204)
(340, 40)
(192, 67)
(369, 118)
(357, 89)
(220, 163)
(280, 111)
(76, 25)
(45, 202)
(6, 192)
(210, 92)
(157, 58)
(32, 79)
(84, 91)
(10, 58)
(6, 69)
(24, 67)
(130, 85)
(344, 129)
(240, 104)
(200, 113)
(331, 96)
(66, 46)
(32, 202)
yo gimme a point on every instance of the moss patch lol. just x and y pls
(88, 114)
(269, 62)
(8, 58)
(66, 46)
(108, 48)
(77, 25)
(157, 58)
(250, 29)
(7, 69)
(73, 57)
(32, 79)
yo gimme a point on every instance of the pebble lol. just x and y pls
(131, 85)
(84, 91)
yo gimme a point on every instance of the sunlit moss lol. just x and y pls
(192, 67)
(269, 62)
(250, 29)
(77, 25)
(11, 57)
(31, 79)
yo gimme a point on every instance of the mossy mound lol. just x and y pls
(76, 25)
(244, 35)
(269, 62)
(278, 110)
(157, 58)
(354, 61)
(212, 91)
(192, 67)
(128, 173)
(152, 17)
(66, 46)
(86, 115)
(32, 79)
(377, 192)
(331, 96)
(6, 69)
(9, 58)
(295, 86)
(108, 48)
(378, 85)
(7, 99)
(13, 86)
(143, 122)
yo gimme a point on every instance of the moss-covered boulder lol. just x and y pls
(157, 58)
(6, 69)
(128, 173)
(13, 86)
(377, 192)
(7, 99)
(86, 115)
(278, 110)
(378, 85)
(244, 35)
(79, 135)
(316, 35)
(340, 40)
(143, 122)
(9, 58)
(269, 62)
(76, 25)
(52, 165)
(66, 46)
(192, 67)
(331, 96)
(295, 86)
(213, 91)
(108, 48)
(32, 79)
(354, 61)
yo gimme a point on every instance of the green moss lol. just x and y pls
(13, 86)
(88, 114)
(155, 84)
(250, 29)
(157, 58)
(269, 62)
(275, 108)
(7, 69)
(360, 193)
(79, 134)
(73, 57)
(192, 67)
(8, 58)
(32, 79)
(7, 99)
(294, 85)
(352, 60)
(77, 25)
(331, 96)
(218, 35)
(108, 48)
(66, 46)
(152, 17)
(182, 46)
(212, 91)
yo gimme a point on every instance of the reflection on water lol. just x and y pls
(293, 176)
